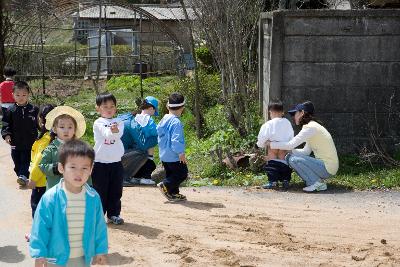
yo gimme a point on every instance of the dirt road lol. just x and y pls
(229, 227)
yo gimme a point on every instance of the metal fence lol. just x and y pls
(33, 49)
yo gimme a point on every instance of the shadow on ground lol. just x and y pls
(146, 231)
(332, 189)
(118, 259)
(199, 205)
(298, 188)
(11, 254)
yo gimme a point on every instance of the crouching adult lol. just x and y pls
(139, 139)
(313, 170)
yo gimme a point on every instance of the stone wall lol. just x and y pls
(346, 62)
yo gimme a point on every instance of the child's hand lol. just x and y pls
(8, 139)
(114, 128)
(182, 158)
(31, 184)
(99, 260)
(41, 262)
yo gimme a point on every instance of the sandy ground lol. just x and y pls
(229, 227)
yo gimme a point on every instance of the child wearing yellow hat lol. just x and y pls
(66, 123)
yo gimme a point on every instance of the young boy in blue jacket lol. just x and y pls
(69, 228)
(172, 149)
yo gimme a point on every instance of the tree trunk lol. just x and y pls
(197, 100)
(3, 33)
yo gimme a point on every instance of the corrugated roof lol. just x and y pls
(117, 12)
(168, 13)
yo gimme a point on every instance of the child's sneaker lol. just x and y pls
(178, 197)
(285, 184)
(270, 185)
(116, 220)
(164, 191)
(22, 180)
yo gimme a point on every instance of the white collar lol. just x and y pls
(142, 119)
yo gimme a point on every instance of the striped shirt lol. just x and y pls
(76, 205)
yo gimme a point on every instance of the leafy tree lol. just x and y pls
(229, 28)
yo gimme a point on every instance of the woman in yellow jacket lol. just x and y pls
(37, 179)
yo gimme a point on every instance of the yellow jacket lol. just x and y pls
(36, 174)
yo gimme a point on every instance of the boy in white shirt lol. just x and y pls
(277, 128)
(107, 175)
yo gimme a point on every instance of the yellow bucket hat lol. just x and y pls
(61, 110)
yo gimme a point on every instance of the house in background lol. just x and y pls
(156, 23)
(146, 27)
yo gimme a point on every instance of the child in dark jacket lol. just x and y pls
(20, 130)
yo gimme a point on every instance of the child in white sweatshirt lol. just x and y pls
(278, 128)
(107, 172)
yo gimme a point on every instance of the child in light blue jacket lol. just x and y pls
(171, 143)
(69, 228)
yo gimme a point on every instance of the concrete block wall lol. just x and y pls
(346, 62)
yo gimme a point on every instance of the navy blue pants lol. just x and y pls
(278, 171)
(175, 174)
(107, 181)
(36, 195)
(146, 170)
(22, 159)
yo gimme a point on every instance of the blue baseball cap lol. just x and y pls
(306, 106)
(154, 102)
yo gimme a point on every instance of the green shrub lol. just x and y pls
(205, 58)
(210, 90)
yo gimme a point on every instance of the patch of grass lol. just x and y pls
(352, 175)
(204, 169)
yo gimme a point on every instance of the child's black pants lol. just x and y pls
(175, 174)
(146, 170)
(36, 195)
(278, 171)
(22, 159)
(107, 180)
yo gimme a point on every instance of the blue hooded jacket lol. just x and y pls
(49, 234)
(171, 141)
(135, 135)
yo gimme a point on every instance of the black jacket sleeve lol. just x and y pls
(7, 124)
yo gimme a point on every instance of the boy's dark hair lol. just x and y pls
(9, 71)
(275, 105)
(43, 111)
(21, 85)
(104, 97)
(75, 148)
(145, 105)
(176, 98)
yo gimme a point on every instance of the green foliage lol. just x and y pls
(121, 50)
(210, 89)
(205, 58)
(128, 83)
(204, 167)
(58, 59)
